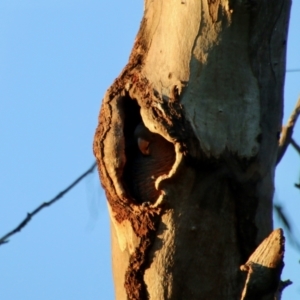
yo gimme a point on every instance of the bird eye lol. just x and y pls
(144, 146)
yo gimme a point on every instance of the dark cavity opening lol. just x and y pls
(148, 155)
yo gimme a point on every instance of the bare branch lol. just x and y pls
(297, 148)
(284, 219)
(287, 132)
(29, 216)
(295, 145)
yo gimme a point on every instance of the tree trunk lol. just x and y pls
(186, 148)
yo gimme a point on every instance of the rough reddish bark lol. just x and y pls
(186, 148)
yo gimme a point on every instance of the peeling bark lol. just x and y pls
(186, 148)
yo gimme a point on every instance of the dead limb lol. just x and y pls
(264, 268)
(287, 132)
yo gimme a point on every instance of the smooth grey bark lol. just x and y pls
(190, 196)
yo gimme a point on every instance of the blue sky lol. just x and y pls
(57, 58)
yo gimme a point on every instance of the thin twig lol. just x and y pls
(287, 132)
(29, 216)
(293, 70)
(297, 148)
(295, 145)
(287, 226)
